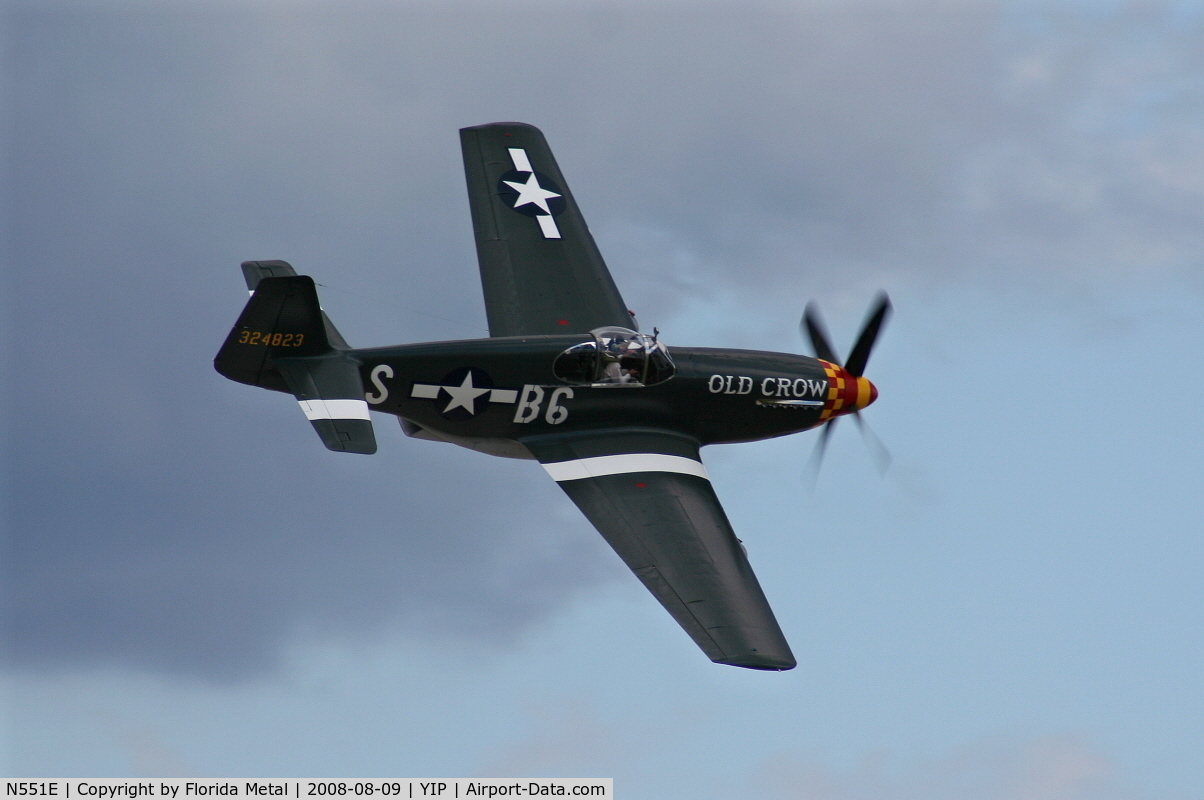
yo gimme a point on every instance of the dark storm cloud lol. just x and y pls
(162, 517)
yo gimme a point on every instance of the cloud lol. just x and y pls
(566, 736)
(1063, 767)
(160, 517)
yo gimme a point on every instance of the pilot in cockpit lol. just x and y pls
(615, 357)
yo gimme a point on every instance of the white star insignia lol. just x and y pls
(464, 395)
(532, 192)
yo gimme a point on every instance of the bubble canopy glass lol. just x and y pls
(615, 357)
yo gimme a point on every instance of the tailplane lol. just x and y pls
(284, 342)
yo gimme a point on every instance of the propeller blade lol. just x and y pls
(812, 327)
(821, 446)
(860, 353)
(878, 451)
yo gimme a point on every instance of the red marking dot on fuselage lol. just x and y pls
(641, 486)
(562, 322)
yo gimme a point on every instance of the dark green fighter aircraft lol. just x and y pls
(613, 415)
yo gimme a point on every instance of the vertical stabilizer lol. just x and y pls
(282, 341)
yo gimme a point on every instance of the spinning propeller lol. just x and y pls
(812, 327)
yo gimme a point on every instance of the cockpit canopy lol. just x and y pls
(615, 357)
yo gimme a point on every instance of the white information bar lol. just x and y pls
(443, 788)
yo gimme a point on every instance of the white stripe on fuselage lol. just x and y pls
(598, 466)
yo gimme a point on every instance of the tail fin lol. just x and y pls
(282, 319)
(282, 342)
(255, 271)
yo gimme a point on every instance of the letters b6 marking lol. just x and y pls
(532, 397)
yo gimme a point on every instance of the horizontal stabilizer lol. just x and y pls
(331, 394)
(282, 341)
(255, 271)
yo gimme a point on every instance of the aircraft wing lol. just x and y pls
(648, 494)
(540, 269)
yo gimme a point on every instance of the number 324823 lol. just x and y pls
(272, 339)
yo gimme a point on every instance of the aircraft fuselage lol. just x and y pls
(504, 388)
(613, 416)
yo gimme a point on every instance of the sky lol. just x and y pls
(195, 587)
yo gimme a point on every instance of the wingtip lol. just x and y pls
(765, 663)
(494, 125)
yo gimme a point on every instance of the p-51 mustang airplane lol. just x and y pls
(612, 415)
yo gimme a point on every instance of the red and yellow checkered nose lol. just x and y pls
(846, 394)
(866, 393)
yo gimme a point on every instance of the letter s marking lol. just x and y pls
(381, 393)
